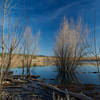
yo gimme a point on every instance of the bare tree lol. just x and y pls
(4, 11)
(71, 45)
(13, 38)
(30, 48)
(12, 41)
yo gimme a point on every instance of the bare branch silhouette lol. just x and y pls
(71, 45)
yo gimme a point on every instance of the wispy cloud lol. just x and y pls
(48, 16)
(59, 11)
(38, 11)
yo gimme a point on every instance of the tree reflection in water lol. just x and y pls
(66, 78)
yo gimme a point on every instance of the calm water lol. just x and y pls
(84, 74)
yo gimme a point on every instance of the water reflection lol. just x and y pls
(65, 78)
(84, 74)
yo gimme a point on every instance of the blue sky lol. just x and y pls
(46, 16)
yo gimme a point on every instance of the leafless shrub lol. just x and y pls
(4, 11)
(11, 43)
(29, 47)
(71, 45)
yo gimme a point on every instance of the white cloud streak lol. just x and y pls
(56, 13)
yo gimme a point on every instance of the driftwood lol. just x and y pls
(35, 76)
(36, 87)
(80, 96)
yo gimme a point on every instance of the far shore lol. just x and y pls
(48, 60)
